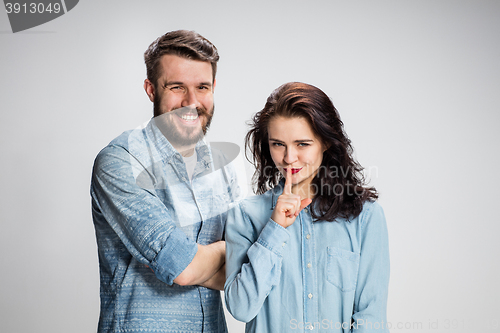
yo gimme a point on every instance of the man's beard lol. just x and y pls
(185, 135)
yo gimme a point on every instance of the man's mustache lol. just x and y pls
(188, 110)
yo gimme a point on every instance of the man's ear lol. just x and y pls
(213, 86)
(150, 90)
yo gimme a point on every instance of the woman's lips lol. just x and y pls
(294, 170)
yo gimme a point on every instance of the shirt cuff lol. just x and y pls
(274, 237)
(174, 257)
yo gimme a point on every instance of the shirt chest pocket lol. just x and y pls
(342, 268)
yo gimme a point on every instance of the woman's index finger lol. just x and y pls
(288, 181)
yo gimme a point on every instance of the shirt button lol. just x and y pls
(309, 265)
(183, 179)
(311, 327)
(305, 210)
(308, 236)
(283, 244)
(310, 296)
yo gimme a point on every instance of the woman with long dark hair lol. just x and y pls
(311, 251)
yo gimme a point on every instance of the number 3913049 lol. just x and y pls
(32, 8)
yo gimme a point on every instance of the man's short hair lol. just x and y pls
(182, 43)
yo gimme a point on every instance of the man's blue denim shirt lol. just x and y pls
(148, 217)
(312, 276)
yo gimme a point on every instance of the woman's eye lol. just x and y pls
(277, 144)
(303, 144)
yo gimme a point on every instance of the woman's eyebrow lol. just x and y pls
(299, 141)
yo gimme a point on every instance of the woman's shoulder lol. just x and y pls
(258, 207)
(249, 216)
(258, 202)
(370, 206)
(372, 212)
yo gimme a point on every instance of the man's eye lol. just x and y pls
(172, 87)
(203, 87)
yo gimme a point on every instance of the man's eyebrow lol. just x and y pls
(174, 83)
(180, 83)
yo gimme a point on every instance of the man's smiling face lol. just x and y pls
(183, 99)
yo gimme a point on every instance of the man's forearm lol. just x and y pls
(206, 263)
(217, 280)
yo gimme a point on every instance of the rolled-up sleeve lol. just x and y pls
(137, 216)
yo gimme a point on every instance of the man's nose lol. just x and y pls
(190, 98)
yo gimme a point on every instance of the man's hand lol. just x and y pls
(288, 205)
(217, 281)
(206, 263)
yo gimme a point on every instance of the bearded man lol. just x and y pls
(160, 197)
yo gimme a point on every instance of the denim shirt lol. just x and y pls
(148, 219)
(312, 276)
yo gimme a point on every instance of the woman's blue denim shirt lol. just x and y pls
(312, 276)
(148, 218)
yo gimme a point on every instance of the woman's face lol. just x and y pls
(293, 144)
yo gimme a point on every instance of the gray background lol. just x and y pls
(416, 82)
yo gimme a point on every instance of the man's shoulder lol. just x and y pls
(128, 149)
(122, 139)
(132, 142)
(117, 147)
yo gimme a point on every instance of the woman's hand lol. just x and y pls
(288, 205)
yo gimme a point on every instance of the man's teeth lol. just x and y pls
(189, 117)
